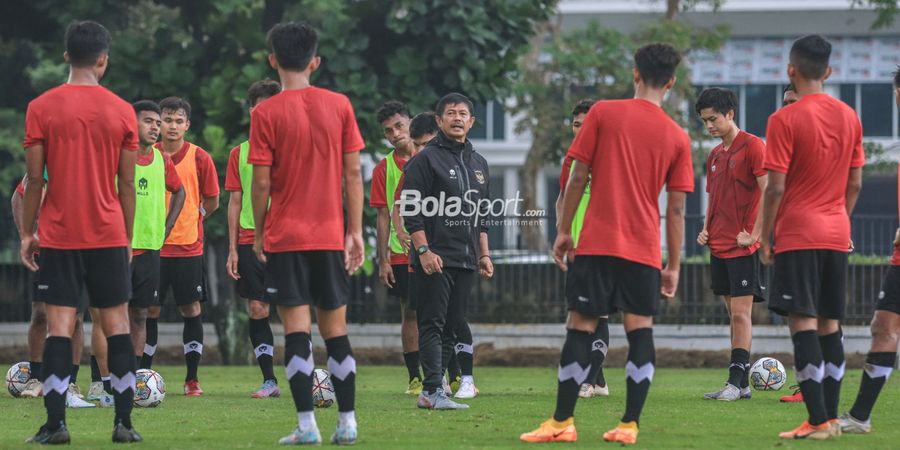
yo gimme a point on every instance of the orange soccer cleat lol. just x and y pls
(796, 397)
(625, 433)
(819, 432)
(553, 431)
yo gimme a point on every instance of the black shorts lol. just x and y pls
(602, 285)
(889, 297)
(738, 277)
(315, 278)
(35, 277)
(66, 274)
(145, 279)
(253, 273)
(810, 283)
(401, 281)
(186, 278)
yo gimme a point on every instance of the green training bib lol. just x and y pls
(246, 173)
(391, 180)
(150, 204)
(578, 220)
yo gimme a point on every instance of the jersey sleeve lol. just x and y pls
(208, 177)
(378, 194)
(779, 145)
(351, 138)
(564, 174)
(859, 155)
(681, 173)
(173, 181)
(34, 130)
(262, 140)
(757, 157)
(233, 172)
(584, 146)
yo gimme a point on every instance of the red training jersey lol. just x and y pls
(733, 193)
(303, 135)
(815, 142)
(635, 148)
(233, 184)
(173, 181)
(378, 196)
(208, 180)
(564, 173)
(82, 129)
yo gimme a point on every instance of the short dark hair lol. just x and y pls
(789, 88)
(453, 98)
(809, 55)
(145, 105)
(719, 99)
(897, 77)
(582, 107)
(424, 123)
(389, 108)
(262, 89)
(86, 40)
(656, 63)
(174, 104)
(294, 44)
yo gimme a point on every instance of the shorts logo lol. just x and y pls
(199, 289)
(583, 299)
(43, 287)
(744, 283)
(155, 294)
(787, 297)
(452, 174)
(272, 290)
(479, 177)
(881, 295)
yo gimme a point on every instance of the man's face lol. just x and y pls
(716, 123)
(174, 124)
(396, 130)
(149, 124)
(456, 121)
(420, 142)
(789, 98)
(577, 121)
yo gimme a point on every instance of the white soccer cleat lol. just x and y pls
(466, 388)
(72, 401)
(601, 391)
(95, 391)
(586, 390)
(33, 389)
(852, 425)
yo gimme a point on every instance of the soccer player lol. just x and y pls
(181, 257)
(304, 142)
(735, 180)
(815, 139)
(242, 264)
(448, 246)
(595, 384)
(885, 332)
(86, 221)
(618, 258)
(789, 96)
(393, 261)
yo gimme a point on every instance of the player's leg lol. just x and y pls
(721, 286)
(463, 282)
(880, 363)
(99, 349)
(250, 286)
(409, 330)
(137, 317)
(37, 334)
(145, 293)
(152, 329)
(831, 339)
(74, 398)
(449, 361)
(188, 288)
(599, 348)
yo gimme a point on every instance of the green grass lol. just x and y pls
(512, 401)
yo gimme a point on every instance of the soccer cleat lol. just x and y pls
(95, 391)
(625, 433)
(438, 401)
(415, 386)
(72, 401)
(344, 435)
(33, 389)
(819, 432)
(302, 437)
(852, 425)
(454, 385)
(552, 431)
(729, 393)
(121, 434)
(75, 390)
(446, 386)
(192, 388)
(745, 393)
(796, 397)
(106, 400)
(45, 436)
(466, 388)
(269, 388)
(586, 390)
(601, 391)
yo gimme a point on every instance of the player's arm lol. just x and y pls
(210, 185)
(571, 198)
(17, 205)
(757, 225)
(400, 228)
(234, 219)
(262, 184)
(353, 245)
(125, 181)
(674, 239)
(485, 264)
(854, 185)
(772, 197)
(34, 186)
(383, 251)
(175, 205)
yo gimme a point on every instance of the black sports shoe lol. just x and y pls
(125, 435)
(44, 436)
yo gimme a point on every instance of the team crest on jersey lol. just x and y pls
(713, 168)
(479, 177)
(731, 163)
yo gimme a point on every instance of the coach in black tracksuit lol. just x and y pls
(449, 243)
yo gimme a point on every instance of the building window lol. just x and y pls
(848, 94)
(760, 101)
(490, 122)
(876, 109)
(479, 130)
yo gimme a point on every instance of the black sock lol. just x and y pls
(810, 370)
(833, 357)
(875, 374)
(454, 370)
(574, 365)
(299, 366)
(35, 368)
(137, 361)
(638, 372)
(56, 376)
(599, 347)
(263, 346)
(95, 370)
(150, 345)
(121, 376)
(737, 369)
(343, 372)
(192, 337)
(465, 353)
(75, 368)
(412, 365)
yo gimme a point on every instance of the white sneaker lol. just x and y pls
(601, 391)
(72, 401)
(466, 388)
(850, 424)
(586, 391)
(75, 390)
(33, 389)
(95, 391)
(446, 386)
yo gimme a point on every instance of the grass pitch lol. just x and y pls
(512, 401)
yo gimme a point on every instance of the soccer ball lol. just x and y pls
(322, 389)
(767, 374)
(16, 377)
(149, 388)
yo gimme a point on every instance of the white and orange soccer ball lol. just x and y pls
(17, 376)
(322, 389)
(767, 374)
(149, 388)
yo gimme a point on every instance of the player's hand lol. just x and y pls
(258, 248)
(854, 248)
(563, 245)
(231, 266)
(353, 252)
(766, 253)
(897, 238)
(486, 267)
(431, 263)
(668, 282)
(27, 250)
(745, 239)
(405, 240)
(703, 237)
(130, 252)
(386, 273)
